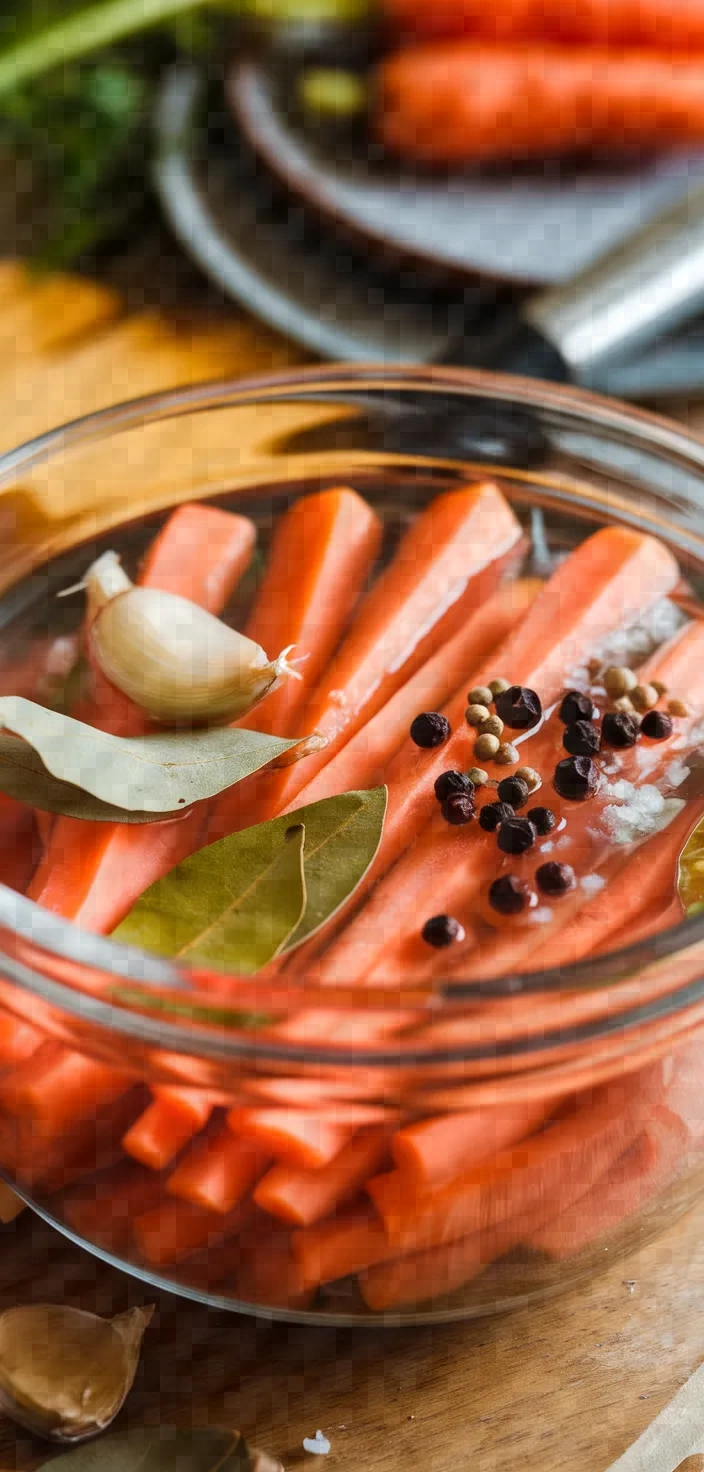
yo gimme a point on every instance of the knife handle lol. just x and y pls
(633, 295)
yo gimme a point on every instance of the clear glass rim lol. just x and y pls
(54, 936)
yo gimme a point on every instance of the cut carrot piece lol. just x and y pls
(269, 1274)
(301, 1139)
(645, 1169)
(345, 1244)
(11, 1205)
(305, 1196)
(169, 1122)
(92, 873)
(449, 560)
(422, 1276)
(200, 553)
(56, 1087)
(321, 555)
(363, 762)
(664, 24)
(18, 1039)
(218, 1171)
(552, 1170)
(20, 843)
(103, 1210)
(608, 582)
(171, 1231)
(435, 1151)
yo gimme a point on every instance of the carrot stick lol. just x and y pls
(171, 1231)
(435, 1151)
(343, 1245)
(640, 1174)
(449, 561)
(18, 1039)
(269, 1274)
(103, 1210)
(89, 867)
(320, 558)
(11, 1205)
(664, 24)
(302, 1197)
(466, 102)
(422, 1276)
(364, 760)
(57, 1087)
(218, 1171)
(608, 582)
(553, 1168)
(169, 1122)
(294, 1136)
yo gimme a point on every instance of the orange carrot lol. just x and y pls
(103, 1210)
(18, 1039)
(450, 559)
(421, 1276)
(218, 1171)
(364, 760)
(608, 582)
(57, 1087)
(168, 1123)
(268, 1273)
(320, 558)
(303, 1196)
(465, 102)
(294, 1136)
(435, 1151)
(663, 24)
(171, 1231)
(343, 1245)
(552, 1169)
(645, 1169)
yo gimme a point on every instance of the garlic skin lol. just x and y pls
(65, 1374)
(179, 664)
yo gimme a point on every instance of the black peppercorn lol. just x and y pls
(452, 782)
(430, 729)
(518, 707)
(493, 814)
(543, 820)
(555, 879)
(619, 730)
(577, 778)
(581, 739)
(516, 836)
(458, 809)
(509, 895)
(514, 791)
(441, 931)
(576, 707)
(657, 726)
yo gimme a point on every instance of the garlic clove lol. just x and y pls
(65, 1374)
(176, 661)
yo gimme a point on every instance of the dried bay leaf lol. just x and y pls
(235, 910)
(64, 1374)
(63, 766)
(342, 835)
(167, 1449)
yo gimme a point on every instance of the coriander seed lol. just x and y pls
(476, 715)
(619, 680)
(486, 747)
(480, 695)
(532, 779)
(507, 755)
(678, 708)
(478, 777)
(492, 726)
(497, 687)
(644, 697)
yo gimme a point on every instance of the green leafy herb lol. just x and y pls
(164, 1450)
(190, 912)
(239, 914)
(63, 766)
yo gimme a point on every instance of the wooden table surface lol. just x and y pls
(566, 1385)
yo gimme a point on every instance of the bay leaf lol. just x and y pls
(237, 913)
(342, 835)
(166, 1449)
(63, 766)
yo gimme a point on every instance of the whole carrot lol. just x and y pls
(466, 102)
(663, 24)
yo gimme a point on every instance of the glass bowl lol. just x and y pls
(89, 1028)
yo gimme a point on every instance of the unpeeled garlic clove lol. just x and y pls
(178, 663)
(64, 1374)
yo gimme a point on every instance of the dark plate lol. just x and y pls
(523, 226)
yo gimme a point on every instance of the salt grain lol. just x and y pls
(318, 1445)
(592, 883)
(638, 812)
